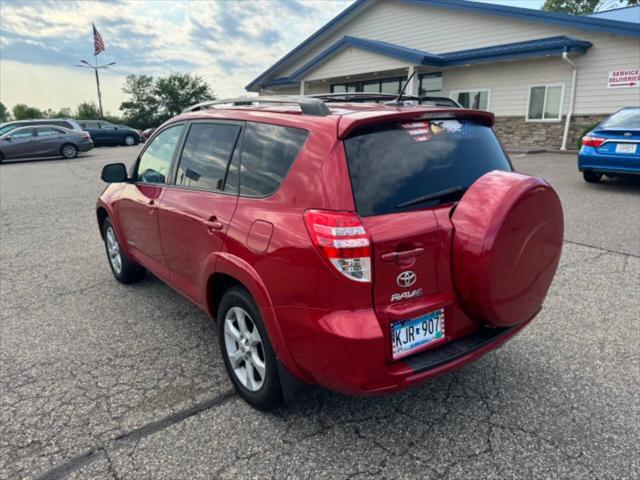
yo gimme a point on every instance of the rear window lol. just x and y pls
(267, 154)
(394, 166)
(627, 119)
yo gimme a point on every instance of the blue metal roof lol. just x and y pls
(593, 23)
(623, 14)
(510, 51)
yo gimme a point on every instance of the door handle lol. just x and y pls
(395, 256)
(214, 224)
(152, 205)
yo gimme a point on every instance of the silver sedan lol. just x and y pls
(43, 141)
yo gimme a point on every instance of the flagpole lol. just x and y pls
(98, 85)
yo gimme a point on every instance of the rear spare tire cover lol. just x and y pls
(506, 247)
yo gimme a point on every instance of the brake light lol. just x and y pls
(343, 240)
(588, 141)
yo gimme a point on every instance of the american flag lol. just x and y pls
(98, 43)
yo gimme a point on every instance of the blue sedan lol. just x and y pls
(613, 147)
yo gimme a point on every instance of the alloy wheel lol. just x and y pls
(113, 250)
(129, 140)
(69, 151)
(244, 349)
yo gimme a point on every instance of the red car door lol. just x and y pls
(137, 203)
(196, 211)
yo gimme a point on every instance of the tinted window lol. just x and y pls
(155, 162)
(628, 119)
(8, 128)
(232, 182)
(267, 153)
(205, 155)
(27, 132)
(394, 164)
(47, 132)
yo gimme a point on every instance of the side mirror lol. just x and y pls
(114, 173)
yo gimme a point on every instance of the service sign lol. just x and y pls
(624, 78)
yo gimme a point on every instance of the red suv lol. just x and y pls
(364, 248)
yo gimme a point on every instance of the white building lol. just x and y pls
(546, 76)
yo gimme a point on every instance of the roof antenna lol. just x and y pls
(396, 101)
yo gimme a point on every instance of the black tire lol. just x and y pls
(129, 140)
(69, 151)
(269, 394)
(591, 176)
(1, 157)
(129, 271)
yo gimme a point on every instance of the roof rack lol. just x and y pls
(388, 97)
(308, 105)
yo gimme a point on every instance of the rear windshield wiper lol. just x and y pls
(433, 196)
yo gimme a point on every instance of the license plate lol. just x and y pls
(626, 148)
(407, 336)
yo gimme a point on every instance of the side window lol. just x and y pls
(47, 132)
(267, 154)
(232, 182)
(205, 155)
(106, 126)
(27, 132)
(155, 162)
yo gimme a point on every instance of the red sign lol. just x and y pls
(624, 78)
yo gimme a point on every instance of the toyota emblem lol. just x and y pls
(627, 134)
(406, 279)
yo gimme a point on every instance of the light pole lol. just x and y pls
(95, 68)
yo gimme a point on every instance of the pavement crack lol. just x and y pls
(95, 453)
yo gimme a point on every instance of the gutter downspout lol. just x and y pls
(567, 122)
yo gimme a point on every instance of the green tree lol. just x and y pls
(580, 7)
(152, 101)
(87, 111)
(64, 112)
(142, 107)
(178, 91)
(25, 112)
(4, 113)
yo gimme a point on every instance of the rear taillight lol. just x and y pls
(343, 240)
(589, 141)
(85, 135)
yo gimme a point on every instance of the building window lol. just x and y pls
(430, 84)
(477, 99)
(386, 85)
(545, 103)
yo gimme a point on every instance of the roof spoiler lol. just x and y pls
(348, 123)
(308, 105)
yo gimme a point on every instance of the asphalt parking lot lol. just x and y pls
(105, 381)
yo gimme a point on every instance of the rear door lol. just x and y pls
(406, 177)
(196, 211)
(48, 140)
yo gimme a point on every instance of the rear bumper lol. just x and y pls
(590, 160)
(348, 353)
(85, 146)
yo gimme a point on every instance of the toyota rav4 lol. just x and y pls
(363, 248)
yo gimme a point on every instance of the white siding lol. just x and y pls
(439, 30)
(509, 82)
(353, 61)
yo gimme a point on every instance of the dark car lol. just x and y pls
(612, 147)
(105, 133)
(54, 122)
(362, 247)
(43, 141)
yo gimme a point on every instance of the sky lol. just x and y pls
(227, 42)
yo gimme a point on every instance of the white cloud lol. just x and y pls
(229, 43)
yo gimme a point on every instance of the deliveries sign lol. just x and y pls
(624, 78)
